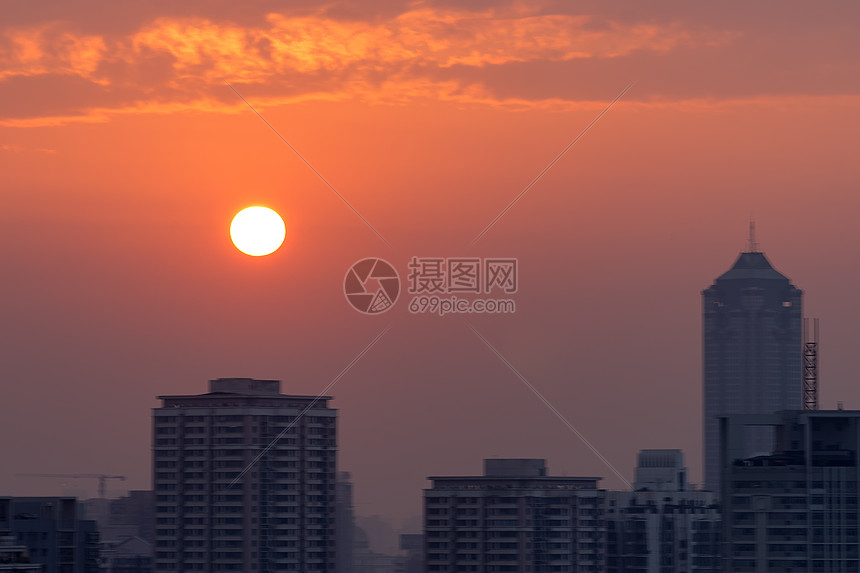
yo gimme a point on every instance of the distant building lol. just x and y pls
(281, 452)
(660, 470)
(15, 558)
(514, 518)
(752, 329)
(135, 509)
(660, 527)
(131, 555)
(412, 553)
(794, 509)
(344, 523)
(366, 560)
(355, 552)
(380, 533)
(125, 526)
(52, 530)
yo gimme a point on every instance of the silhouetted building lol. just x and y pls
(135, 509)
(752, 331)
(15, 558)
(244, 480)
(660, 470)
(365, 559)
(124, 519)
(344, 523)
(380, 533)
(663, 532)
(412, 553)
(514, 518)
(795, 509)
(130, 555)
(660, 527)
(52, 530)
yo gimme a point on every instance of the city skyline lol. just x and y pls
(125, 159)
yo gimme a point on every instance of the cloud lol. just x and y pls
(15, 148)
(503, 57)
(50, 50)
(425, 37)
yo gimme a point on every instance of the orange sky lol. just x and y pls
(124, 156)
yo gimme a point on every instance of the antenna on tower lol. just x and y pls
(753, 245)
(810, 365)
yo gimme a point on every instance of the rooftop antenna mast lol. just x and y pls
(810, 364)
(753, 245)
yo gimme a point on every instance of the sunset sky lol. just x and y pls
(124, 155)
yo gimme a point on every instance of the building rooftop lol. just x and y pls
(673, 458)
(515, 467)
(752, 265)
(248, 386)
(242, 392)
(491, 482)
(514, 473)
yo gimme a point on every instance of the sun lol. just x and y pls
(257, 231)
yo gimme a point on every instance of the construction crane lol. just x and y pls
(101, 477)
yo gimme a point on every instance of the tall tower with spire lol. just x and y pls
(752, 319)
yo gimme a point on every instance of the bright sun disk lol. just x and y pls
(257, 231)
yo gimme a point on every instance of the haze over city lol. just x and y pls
(125, 156)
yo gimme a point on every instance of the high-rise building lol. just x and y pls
(244, 480)
(514, 518)
(796, 508)
(53, 531)
(752, 329)
(661, 527)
